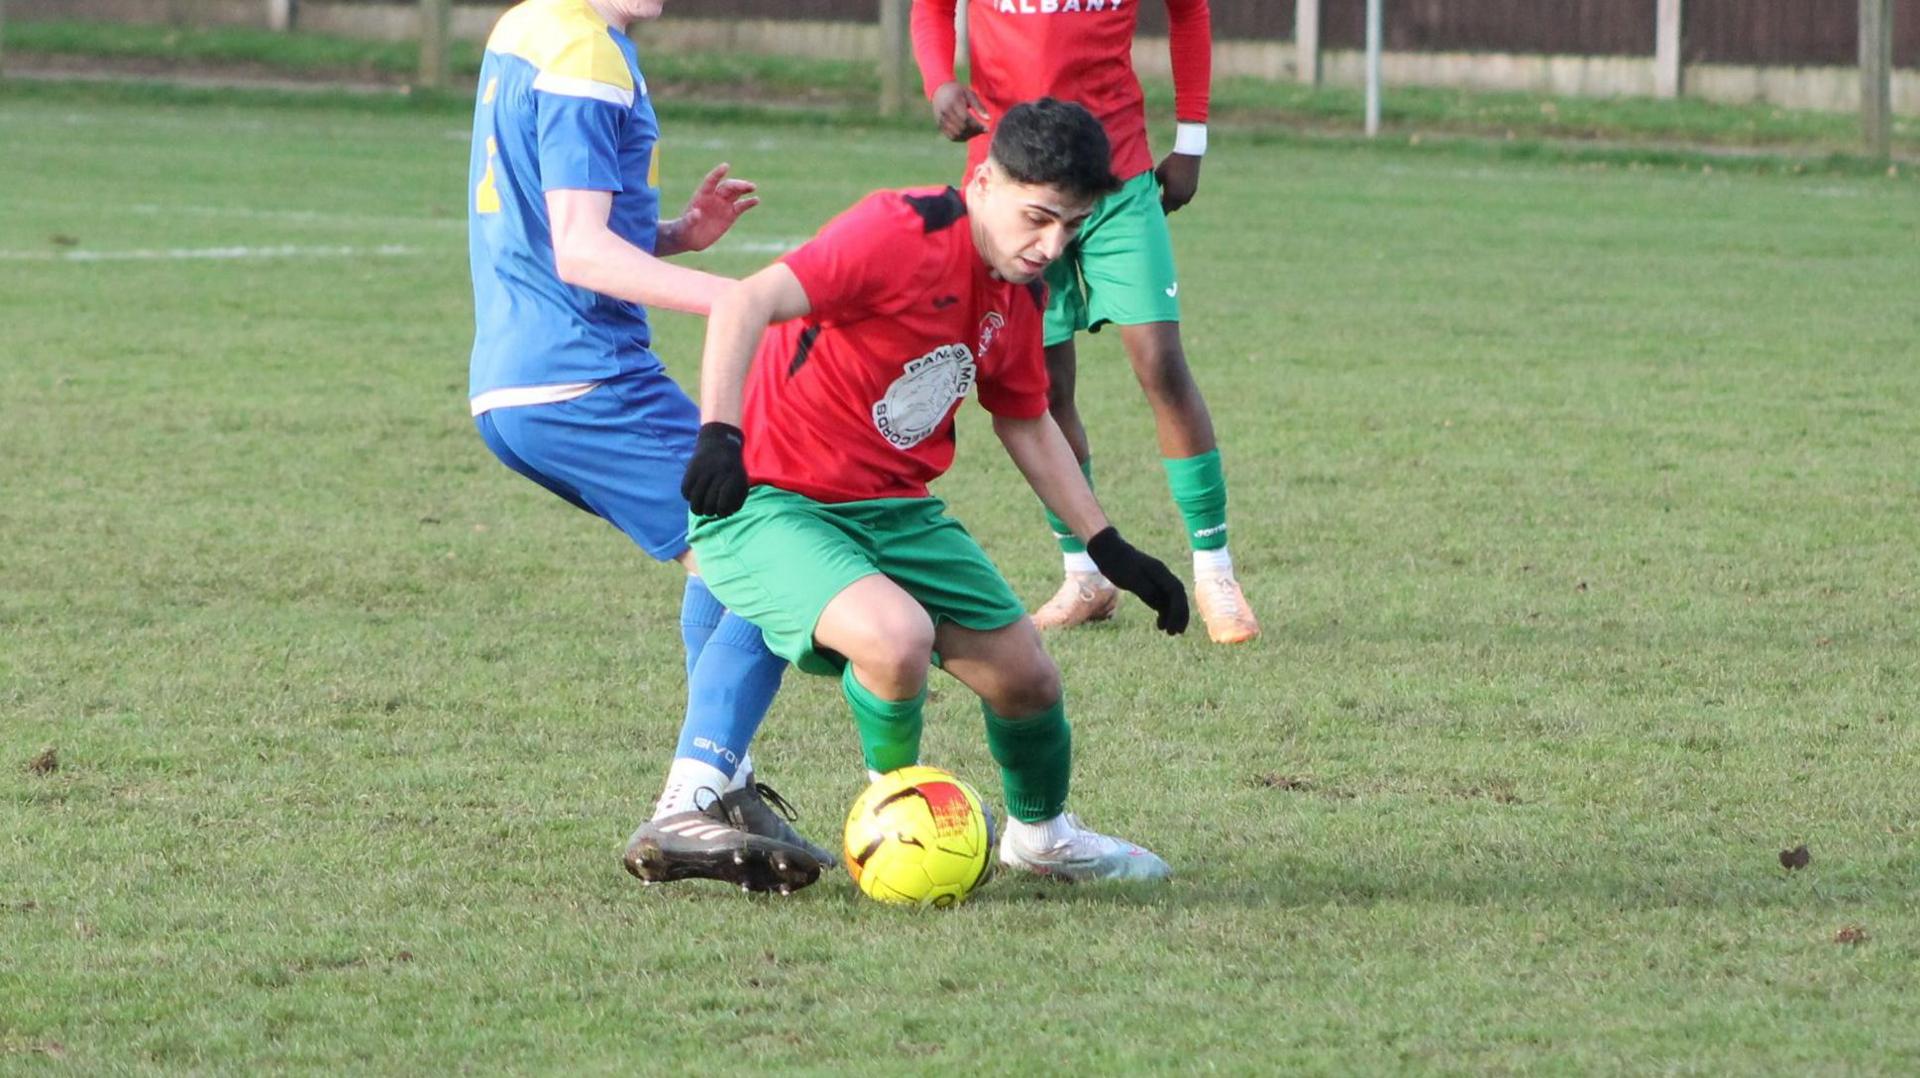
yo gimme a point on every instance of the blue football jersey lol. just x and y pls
(561, 105)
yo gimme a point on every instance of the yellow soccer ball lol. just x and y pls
(919, 837)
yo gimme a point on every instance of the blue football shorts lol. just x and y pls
(617, 452)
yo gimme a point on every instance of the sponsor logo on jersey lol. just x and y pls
(1054, 7)
(921, 398)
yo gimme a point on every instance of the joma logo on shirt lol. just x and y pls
(920, 399)
(1053, 7)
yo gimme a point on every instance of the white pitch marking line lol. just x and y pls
(304, 216)
(172, 254)
(757, 247)
(50, 207)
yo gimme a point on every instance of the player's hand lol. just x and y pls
(959, 111)
(1179, 176)
(1144, 575)
(716, 480)
(716, 204)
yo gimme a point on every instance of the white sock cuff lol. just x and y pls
(1045, 835)
(686, 781)
(1212, 562)
(1079, 562)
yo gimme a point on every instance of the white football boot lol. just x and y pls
(1078, 855)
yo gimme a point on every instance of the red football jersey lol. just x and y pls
(1075, 50)
(856, 400)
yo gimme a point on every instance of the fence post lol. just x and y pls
(1668, 50)
(280, 15)
(896, 56)
(1376, 43)
(1306, 41)
(434, 63)
(1876, 76)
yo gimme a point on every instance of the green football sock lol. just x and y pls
(1069, 544)
(1036, 761)
(889, 729)
(1200, 491)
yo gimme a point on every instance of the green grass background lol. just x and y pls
(848, 89)
(1579, 502)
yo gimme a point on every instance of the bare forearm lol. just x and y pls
(1041, 453)
(734, 328)
(611, 266)
(740, 317)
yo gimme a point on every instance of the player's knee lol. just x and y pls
(1161, 367)
(1032, 688)
(899, 647)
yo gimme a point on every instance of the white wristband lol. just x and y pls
(1190, 139)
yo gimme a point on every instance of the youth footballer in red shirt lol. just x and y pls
(828, 388)
(1120, 268)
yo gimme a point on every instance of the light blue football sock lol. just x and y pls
(729, 690)
(700, 612)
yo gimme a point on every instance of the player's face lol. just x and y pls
(1021, 228)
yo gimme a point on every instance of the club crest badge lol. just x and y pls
(990, 327)
(921, 398)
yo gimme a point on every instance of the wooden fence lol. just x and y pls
(1774, 32)
(1798, 53)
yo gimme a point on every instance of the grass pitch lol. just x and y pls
(1579, 502)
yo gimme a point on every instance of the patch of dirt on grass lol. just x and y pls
(1296, 784)
(14, 1046)
(1503, 795)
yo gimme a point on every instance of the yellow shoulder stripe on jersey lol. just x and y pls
(568, 45)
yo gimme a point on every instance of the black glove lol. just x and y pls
(1144, 575)
(716, 482)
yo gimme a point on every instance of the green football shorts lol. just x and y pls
(782, 558)
(1119, 270)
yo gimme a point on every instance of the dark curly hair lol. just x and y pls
(1055, 143)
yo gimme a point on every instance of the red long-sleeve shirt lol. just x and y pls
(1076, 50)
(856, 400)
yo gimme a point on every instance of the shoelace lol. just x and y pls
(1084, 590)
(1226, 594)
(1086, 842)
(772, 797)
(714, 807)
